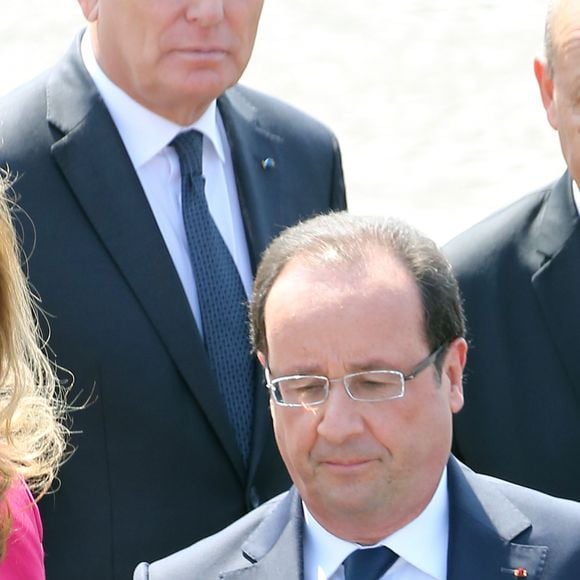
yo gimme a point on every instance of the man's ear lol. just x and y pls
(546, 86)
(452, 372)
(262, 358)
(90, 9)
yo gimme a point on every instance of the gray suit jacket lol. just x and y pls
(495, 527)
(156, 462)
(519, 273)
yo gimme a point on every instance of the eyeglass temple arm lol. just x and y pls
(425, 363)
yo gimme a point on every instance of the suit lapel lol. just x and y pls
(274, 550)
(483, 530)
(557, 277)
(93, 160)
(250, 145)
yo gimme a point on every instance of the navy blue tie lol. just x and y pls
(369, 564)
(220, 292)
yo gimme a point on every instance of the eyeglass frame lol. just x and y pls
(417, 369)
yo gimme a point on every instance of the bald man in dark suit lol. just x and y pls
(519, 272)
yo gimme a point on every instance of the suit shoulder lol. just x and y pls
(520, 516)
(216, 553)
(503, 233)
(551, 517)
(277, 114)
(501, 225)
(18, 101)
(22, 120)
(531, 497)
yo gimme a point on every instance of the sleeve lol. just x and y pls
(24, 553)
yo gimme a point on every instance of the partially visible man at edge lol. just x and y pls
(358, 324)
(519, 273)
(100, 147)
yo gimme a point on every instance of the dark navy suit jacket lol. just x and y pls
(519, 273)
(156, 463)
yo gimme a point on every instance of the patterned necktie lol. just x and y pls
(369, 564)
(220, 292)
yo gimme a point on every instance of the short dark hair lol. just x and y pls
(344, 238)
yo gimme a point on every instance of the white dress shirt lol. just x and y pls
(421, 545)
(146, 137)
(576, 193)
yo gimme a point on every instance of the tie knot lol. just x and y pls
(369, 564)
(189, 148)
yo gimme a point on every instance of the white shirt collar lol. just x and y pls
(143, 132)
(430, 528)
(576, 195)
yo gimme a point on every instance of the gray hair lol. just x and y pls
(554, 10)
(549, 36)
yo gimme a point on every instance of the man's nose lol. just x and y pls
(341, 417)
(205, 12)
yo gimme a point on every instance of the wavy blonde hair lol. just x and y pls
(32, 430)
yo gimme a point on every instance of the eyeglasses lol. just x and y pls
(370, 386)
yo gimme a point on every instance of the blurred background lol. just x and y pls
(434, 103)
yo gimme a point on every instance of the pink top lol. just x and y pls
(24, 554)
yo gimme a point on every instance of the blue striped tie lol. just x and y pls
(220, 292)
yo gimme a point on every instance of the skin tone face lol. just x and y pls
(364, 469)
(173, 56)
(560, 91)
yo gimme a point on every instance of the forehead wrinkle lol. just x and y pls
(568, 44)
(565, 27)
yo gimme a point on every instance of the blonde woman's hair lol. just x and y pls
(32, 431)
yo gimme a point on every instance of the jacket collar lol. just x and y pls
(274, 549)
(558, 220)
(485, 535)
(555, 254)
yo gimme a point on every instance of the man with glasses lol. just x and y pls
(359, 327)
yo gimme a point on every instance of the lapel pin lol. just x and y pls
(268, 163)
(520, 573)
